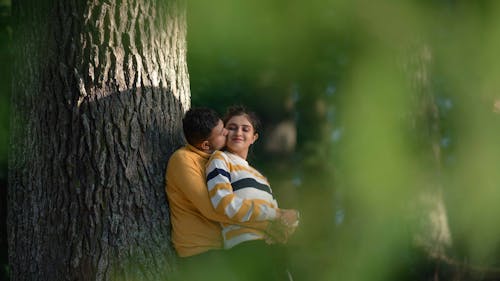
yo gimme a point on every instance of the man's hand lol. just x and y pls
(280, 230)
(289, 217)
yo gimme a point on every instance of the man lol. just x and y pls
(195, 224)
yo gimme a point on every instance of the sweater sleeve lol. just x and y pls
(183, 174)
(226, 202)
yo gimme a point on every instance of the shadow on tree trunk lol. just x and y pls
(86, 197)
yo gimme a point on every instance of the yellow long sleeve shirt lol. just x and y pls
(195, 223)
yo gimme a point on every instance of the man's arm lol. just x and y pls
(185, 173)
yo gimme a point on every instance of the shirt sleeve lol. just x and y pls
(226, 202)
(190, 178)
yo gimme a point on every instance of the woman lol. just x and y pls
(230, 181)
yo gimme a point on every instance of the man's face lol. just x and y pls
(217, 139)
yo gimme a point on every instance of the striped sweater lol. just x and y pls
(231, 182)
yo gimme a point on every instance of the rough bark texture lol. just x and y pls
(99, 90)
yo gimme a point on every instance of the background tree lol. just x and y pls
(98, 93)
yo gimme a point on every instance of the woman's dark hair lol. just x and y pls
(198, 123)
(238, 110)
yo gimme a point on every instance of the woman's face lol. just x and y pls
(241, 135)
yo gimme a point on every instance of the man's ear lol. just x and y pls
(255, 137)
(205, 146)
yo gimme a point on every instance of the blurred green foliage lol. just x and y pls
(393, 101)
(5, 76)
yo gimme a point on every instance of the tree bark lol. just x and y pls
(99, 91)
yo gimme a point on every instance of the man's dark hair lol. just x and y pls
(198, 123)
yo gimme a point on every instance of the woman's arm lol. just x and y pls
(226, 202)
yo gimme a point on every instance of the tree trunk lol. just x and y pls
(99, 91)
(433, 232)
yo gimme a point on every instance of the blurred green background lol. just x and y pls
(384, 119)
(5, 76)
(381, 125)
